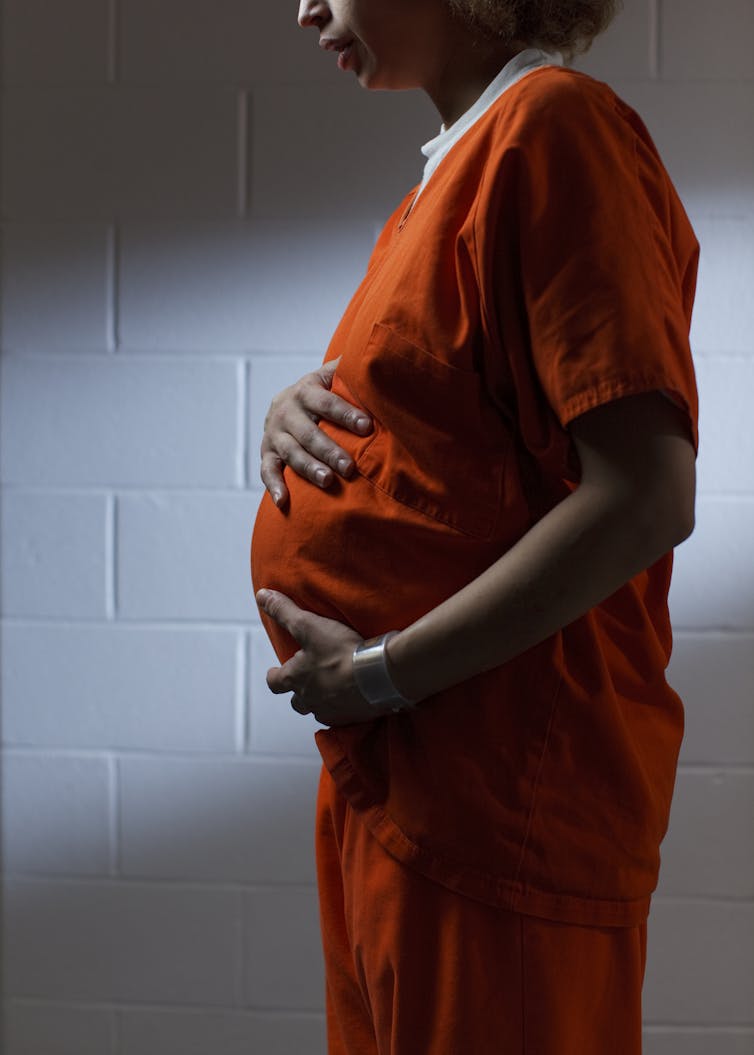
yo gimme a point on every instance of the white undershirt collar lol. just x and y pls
(521, 64)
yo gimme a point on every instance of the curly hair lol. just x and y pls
(568, 26)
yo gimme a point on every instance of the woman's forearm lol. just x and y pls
(581, 552)
(635, 502)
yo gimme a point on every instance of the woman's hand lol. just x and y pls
(292, 435)
(320, 674)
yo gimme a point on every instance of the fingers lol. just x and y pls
(271, 471)
(292, 435)
(280, 679)
(286, 613)
(298, 706)
(309, 451)
(300, 462)
(325, 404)
(326, 372)
(287, 679)
(277, 681)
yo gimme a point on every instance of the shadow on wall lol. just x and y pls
(204, 287)
(206, 219)
(204, 846)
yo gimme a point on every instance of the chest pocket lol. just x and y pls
(438, 445)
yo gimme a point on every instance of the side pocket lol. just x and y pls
(438, 446)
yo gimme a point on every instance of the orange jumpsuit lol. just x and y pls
(548, 267)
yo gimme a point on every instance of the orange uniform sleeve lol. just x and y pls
(605, 255)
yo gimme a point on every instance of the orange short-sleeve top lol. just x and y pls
(547, 267)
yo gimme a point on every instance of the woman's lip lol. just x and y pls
(346, 55)
(334, 43)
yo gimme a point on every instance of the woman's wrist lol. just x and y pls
(373, 676)
(402, 672)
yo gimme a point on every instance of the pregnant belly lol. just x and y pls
(357, 555)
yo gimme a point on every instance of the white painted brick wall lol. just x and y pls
(714, 585)
(54, 555)
(74, 46)
(726, 455)
(57, 282)
(112, 150)
(119, 421)
(719, 724)
(220, 819)
(146, 1032)
(701, 41)
(282, 286)
(110, 941)
(184, 556)
(216, 40)
(190, 191)
(59, 1029)
(60, 823)
(334, 166)
(702, 129)
(726, 265)
(274, 728)
(117, 687)
(283, 948)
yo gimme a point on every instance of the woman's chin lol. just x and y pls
(377, 81)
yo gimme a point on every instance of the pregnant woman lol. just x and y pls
(464, 554)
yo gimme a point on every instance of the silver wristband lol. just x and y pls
(372, 676)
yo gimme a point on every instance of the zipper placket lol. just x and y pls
(409, 209)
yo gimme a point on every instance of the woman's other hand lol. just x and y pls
(292, 435)
(320, 675)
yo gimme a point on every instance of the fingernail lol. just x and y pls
(343, 465)
(277, 497)
(322, 476)
(262, 596)
(362, 423)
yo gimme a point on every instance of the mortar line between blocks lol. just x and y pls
(126, 1006)
(114, 562)
(114, 288)
(113, 812)
(243, 645)
(243, 454)
(111, 289)
(243, 146)
(242, 979)
(697, 1029)
(714, 769)
(665, 1029)
(110, 556)
(197, 886)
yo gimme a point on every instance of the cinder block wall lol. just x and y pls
(190, 193)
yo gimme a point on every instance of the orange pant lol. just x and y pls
(413, 968)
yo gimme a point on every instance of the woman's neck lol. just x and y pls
(455, 84)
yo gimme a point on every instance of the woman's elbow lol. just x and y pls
(684, 527)
(669, 512)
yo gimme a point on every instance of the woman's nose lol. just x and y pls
(313, 13)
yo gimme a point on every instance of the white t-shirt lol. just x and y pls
(521, 64)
